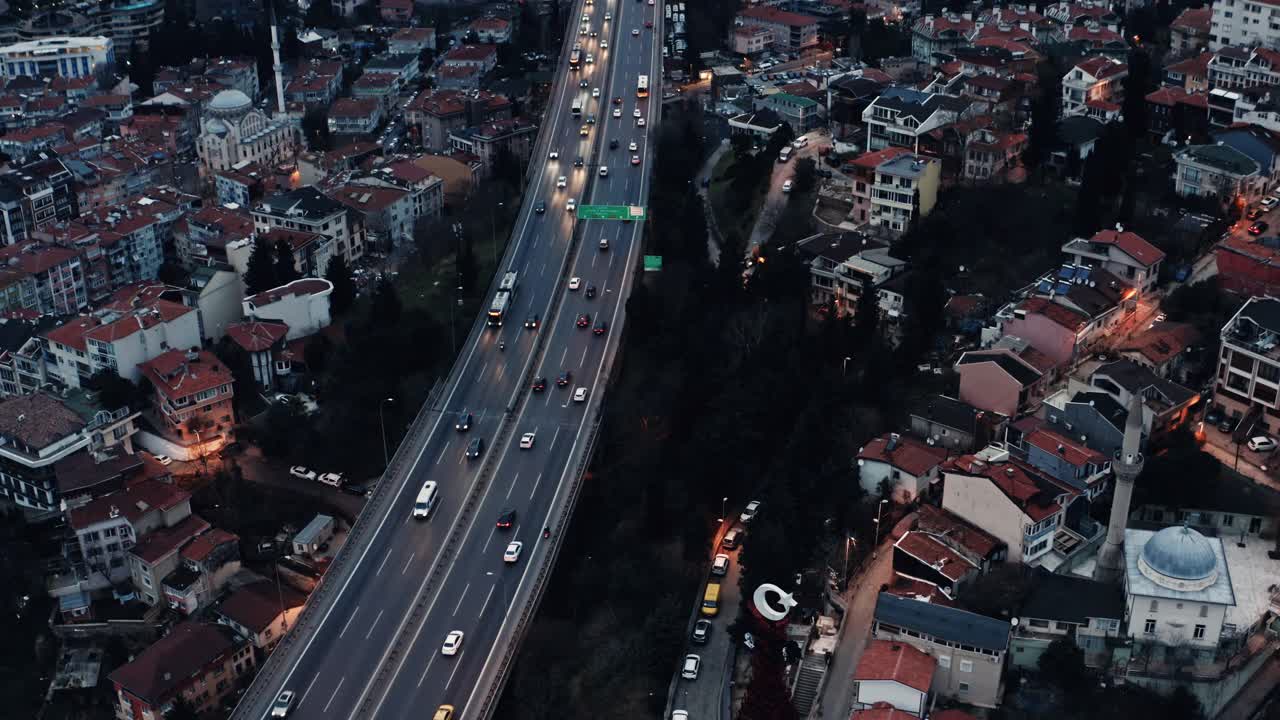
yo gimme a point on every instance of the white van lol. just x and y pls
(800, 142)
(426, 500)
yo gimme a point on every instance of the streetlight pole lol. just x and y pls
(493, 234)
(879, 510)
(723, 508)
(386, 460)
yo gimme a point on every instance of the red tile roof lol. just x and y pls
(882, 711)
(131, 503)
(933, 553)
(256, 336)
(872, 160)
(165, 541)
(201, 547)
(353, 108)
(168, 664)
(1162, 341)
(1065, 448)
(176, 376)
(1031, 492)
(471, 53)
(1058, 313)
(1131, 244)
(35, 258)
(368, 197)
(143, 317)
(1102, 67)
(910, 455)
(256, 605)
(1196, 20)
(909, 587)
(1198, 65)
(896, 662)
(305, 286)
(960, 533)
(780, 17)
(71, 333)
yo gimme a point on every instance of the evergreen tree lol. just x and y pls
(344, 287)
(1136, 86)
(261, 273)
(384, 310)
(286, 270)
(1044, 114)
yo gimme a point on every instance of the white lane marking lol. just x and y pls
(335, 693)
(534, 491)
(406, 565)
(464, 597)
(593, 258)
(348, 623)
(564, 355)
(514, 480)
(486, 600)
(455, 672)
(543, 271)
(555, 436)
(307, 692)
(427, 669)
(374, 625)
(385, 559)
(492, 530)
(442, 453)
(482, 369)
(583, 361)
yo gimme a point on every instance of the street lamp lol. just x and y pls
(844, 367)
(879, 509)
(493, 234)
(383, 426)
(723, 505)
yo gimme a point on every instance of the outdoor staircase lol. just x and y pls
(808, 683)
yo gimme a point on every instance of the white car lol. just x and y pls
(1269, 202)
(163, 459)
(595, 92)
(617, 112)
(590, 58)
(331, 479)
(635, 32)
(720, 566)
(749, 512)
(571, 205)
(604, 171)
(689, 671)
(512, 553)
(1262, 443)
(786, 186)
(608, 17)
(679, 715)
(553, 155)
(526, 441)
(580, 395)
(586, 17)
(650, 2)
(635, 159)
(640, 122)
(574, 284)
(302, 473)
(635, 113)
(604, 44)
(452, 643)
(283, 704)
(562, 181)
(633, 146)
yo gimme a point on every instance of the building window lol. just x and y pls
(966, 666)
(964, 687)
(1155, 606)
(944, 661)
(1204, 611)
(1039, 623)
(1149, 627)
(1198, 633)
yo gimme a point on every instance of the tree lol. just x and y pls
(767, 697)
(113, 391)
(286, 271)
(261, 273)
(384, 310)
(806, 174)
(1062, 665)
(320, 14)
(315, 128)
(182, 709)
(1136, 86)
(344, 287)
(1044, 114)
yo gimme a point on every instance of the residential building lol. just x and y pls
(315, 84)
(1042, 520)
(999, 381)
(233, 131)
(845, 266)
(901, 115)
(200, 662)
(956, 426)
(426, 191)
(491, 30)
(411, 40)
(969, 648)
(759, 125)
(205, 565)
(940, 554)
(388, 212)
(1189, 32)
(751, 39)
(482, 58)
(263, 612)
(932, 35)
(1065, 607)
(58, 274)
(395, 11)
(39, 430)
(1233, 506)
(1219, 171)
(217, 297)
(1094, 418)
(1166, 404)
(1173, 112)
(490, 140)
(355, 116)
(302, 306)
(1191, 74)
(1248, 372)
(380, 87)
(901, 465)
(192, 401)
(125, 336)
(801, 113)
(67, 57)
(862, 171)
(308, 210)
(436, 114)
(894, 673)
(208, 232)
(994, 156)
(264, 343)
(464, 78)
(311, 251)
(1059, 456)
(905, 189)
(1092, 85)
(1238, 22)
(1124, 254)
(107, 528)
(34, 196)
(791, 31)
(1163, 348)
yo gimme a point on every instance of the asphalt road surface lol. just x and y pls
(359, 657)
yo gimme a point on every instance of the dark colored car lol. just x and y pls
(1226, 426)
(1255, 213)
(601, 328)
(584, 320)
(364, 489)
(648, 24)
(617, 101)
(539, 384)
(613, 144)
(507, 519)
(591, 291)
(1258, 228)
(531, 322)
(702, 632)
(565, 378)
(475, 448)
(540, 208)
(583, 84)
(577, 162)
(464, 421)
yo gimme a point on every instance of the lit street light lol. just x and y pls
(383, 426)
(879, 509)
(723, 504)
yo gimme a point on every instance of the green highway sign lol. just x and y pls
(652, 263)
(611, 212)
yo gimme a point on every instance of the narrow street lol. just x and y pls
(860, 598)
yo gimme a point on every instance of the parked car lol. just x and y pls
(720, 566)
(1258, 228)
(1254, 213)
(749, 512)
(1262, 443)
(302, 473)
(1227, 425)
(701, 632)
(689, 671)
(331, 479)
(163, 459)
(1268, 202)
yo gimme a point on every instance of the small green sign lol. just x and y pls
(652, 263)
(611, 212)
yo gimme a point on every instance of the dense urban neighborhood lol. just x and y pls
(679, 359)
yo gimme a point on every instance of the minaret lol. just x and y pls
(277, 66)
(1126, 466)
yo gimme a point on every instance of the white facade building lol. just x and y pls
(234, 131)
(303, 305)
(69, 57)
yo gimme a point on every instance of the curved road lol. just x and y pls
(360, 652)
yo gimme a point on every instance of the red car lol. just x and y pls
(648, 24)
(601, 328)
(1258, 228)
(539, 384)
(584, 320)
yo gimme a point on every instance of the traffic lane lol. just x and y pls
(702, 697)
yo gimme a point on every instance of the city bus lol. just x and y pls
(575, 59)
(502, 299)
(642, 87)
(508, 283)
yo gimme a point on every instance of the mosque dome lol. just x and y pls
(1179, 558)
(230, 103)
(215, 126)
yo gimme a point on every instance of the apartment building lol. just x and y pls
(933, 34)
(1094, 87)
(489, 140)
(192, 401)
(302, 306)
(1244, 22)
(903, 465)
(68, 57)
(200, 662)
(388, 211)
(355, 116)
(310, 211)
(1219, 171)
(483, 58)
(905, 189)
(902, 115)
(109, 526)
(791, 31)
(751, 39)
(438, 113)
(1248, 372)
(58, 274)
(1085, 612)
